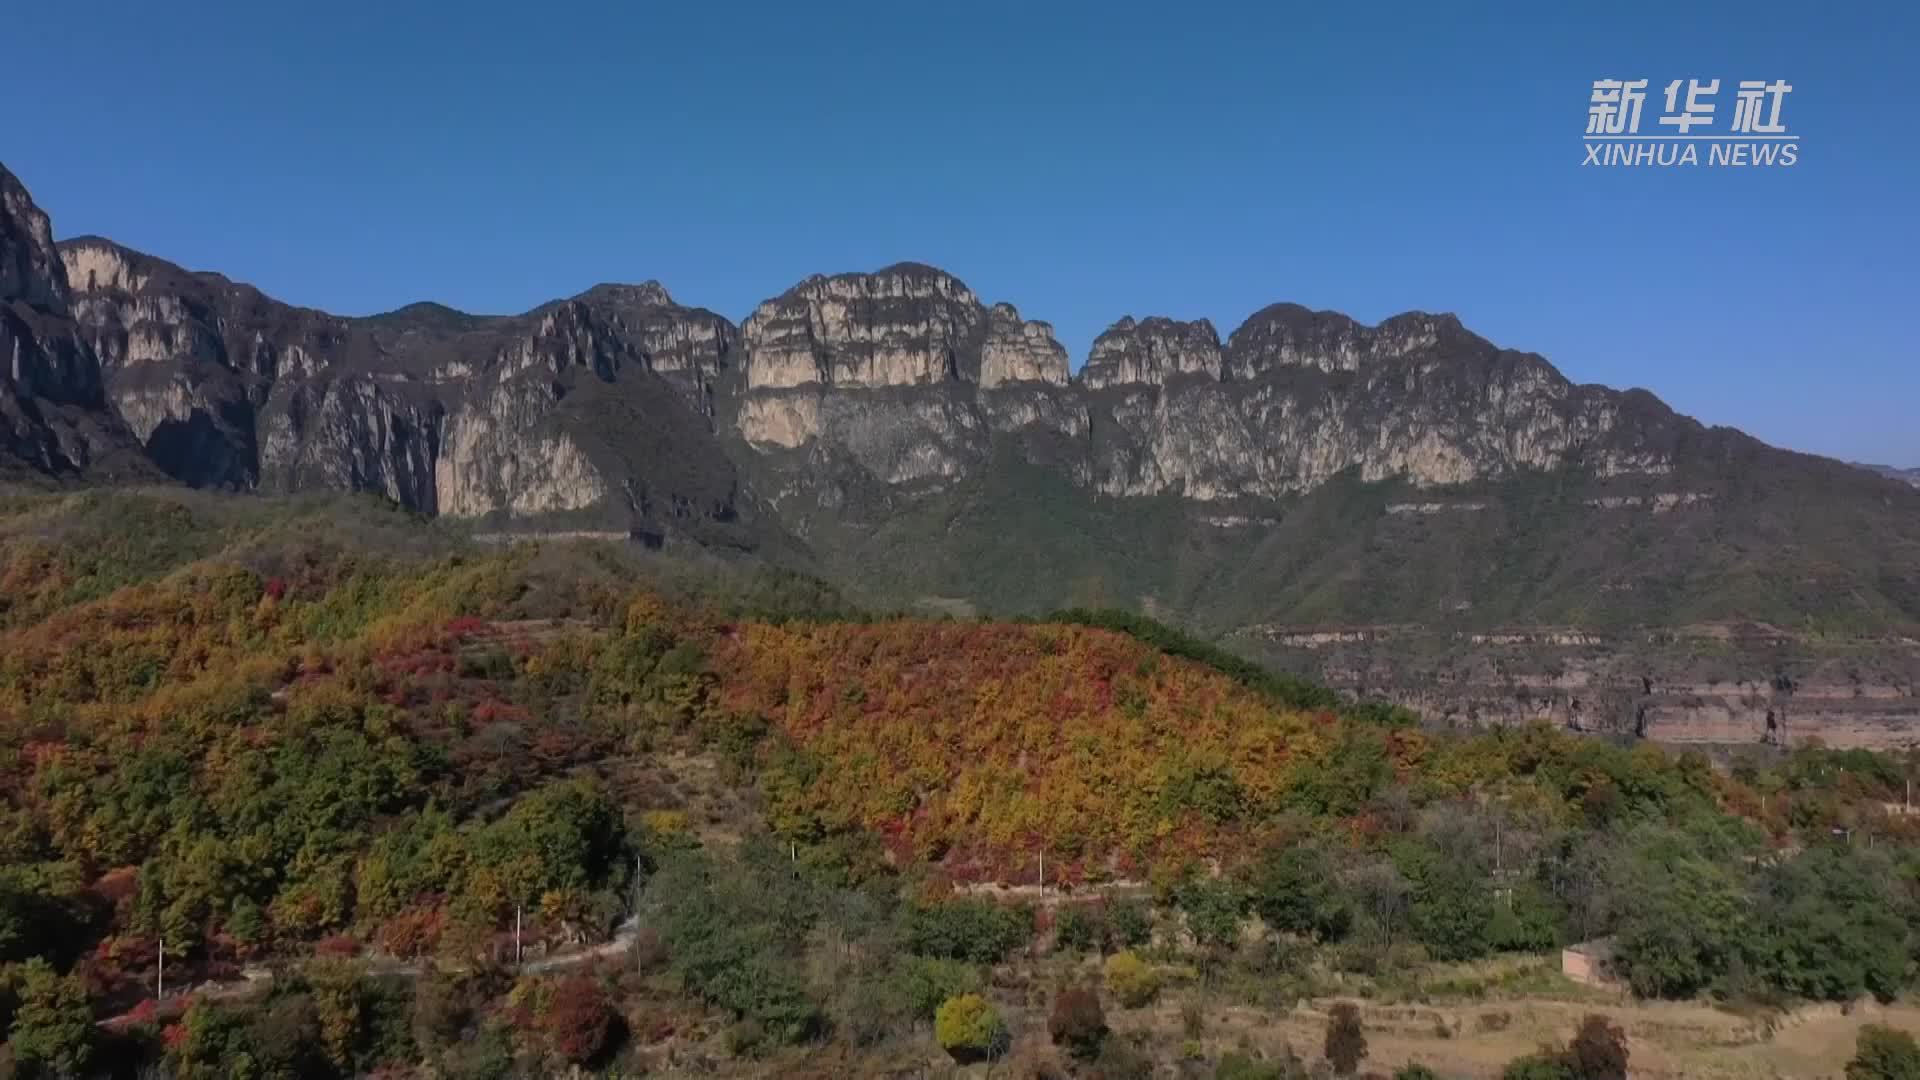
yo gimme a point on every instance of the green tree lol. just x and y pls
(735, 931)
(1683, 927)
(1213, 909)
(1131, 924)
(1881, 1053)
(52, 1029)
(1079, 928)
(977, 930)
(567, 835)
(216, 1042)
(1449, 903)
(923, 982)
(1295, 890)
(1530, 920)
(1826, 928)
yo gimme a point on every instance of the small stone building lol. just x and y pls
(1589, 962)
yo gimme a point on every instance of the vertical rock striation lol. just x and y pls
(53, 415)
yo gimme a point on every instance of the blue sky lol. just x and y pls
(1082, 161)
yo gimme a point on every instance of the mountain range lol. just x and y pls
(1908, 476)
(1405, 509)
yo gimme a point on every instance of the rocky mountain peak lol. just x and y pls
(1291, 336)
(53, 416)
(646, 294)
(1020, 350)
(906, 325)
(30, 268)
(95, 264)
(1152, 351)
(865, 390)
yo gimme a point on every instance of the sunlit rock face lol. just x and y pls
(1293, 397)
(898, 380)
(439, 410)
(192, 363)
(901, 373)
(1020, 351)
(1290, 336)
(1152, 351)
(907, 325)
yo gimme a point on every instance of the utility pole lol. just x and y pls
(160, 976)
(1043, 871)
(516, 934)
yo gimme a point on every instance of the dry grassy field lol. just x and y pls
(1468, 1039)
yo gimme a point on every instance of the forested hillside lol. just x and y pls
(383, 795)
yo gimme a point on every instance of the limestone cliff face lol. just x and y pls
(30, 270)
(902, 380)
(438, 410)
(1019, 351)
(1161, 406)
(1152, 352)
(53, 417)
(1288, 335)
(1446, 410)
(904, 376)
(188, 359)
(907, 325)
(349, 432)
(1732, 684)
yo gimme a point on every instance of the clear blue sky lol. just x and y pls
(1082, 161)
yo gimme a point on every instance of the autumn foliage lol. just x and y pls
(287, 750)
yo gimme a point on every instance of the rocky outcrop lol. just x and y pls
(1723, 686)
(907, 325)
(903, 375)
(1019, 351)
(30, 271)
(441, 411)
(1290, 336)
(1152, 352)
(53, 415)
(1292, 399)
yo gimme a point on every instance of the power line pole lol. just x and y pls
(516, 934)
(160, 976)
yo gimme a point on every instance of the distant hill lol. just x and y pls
(1910, 476)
